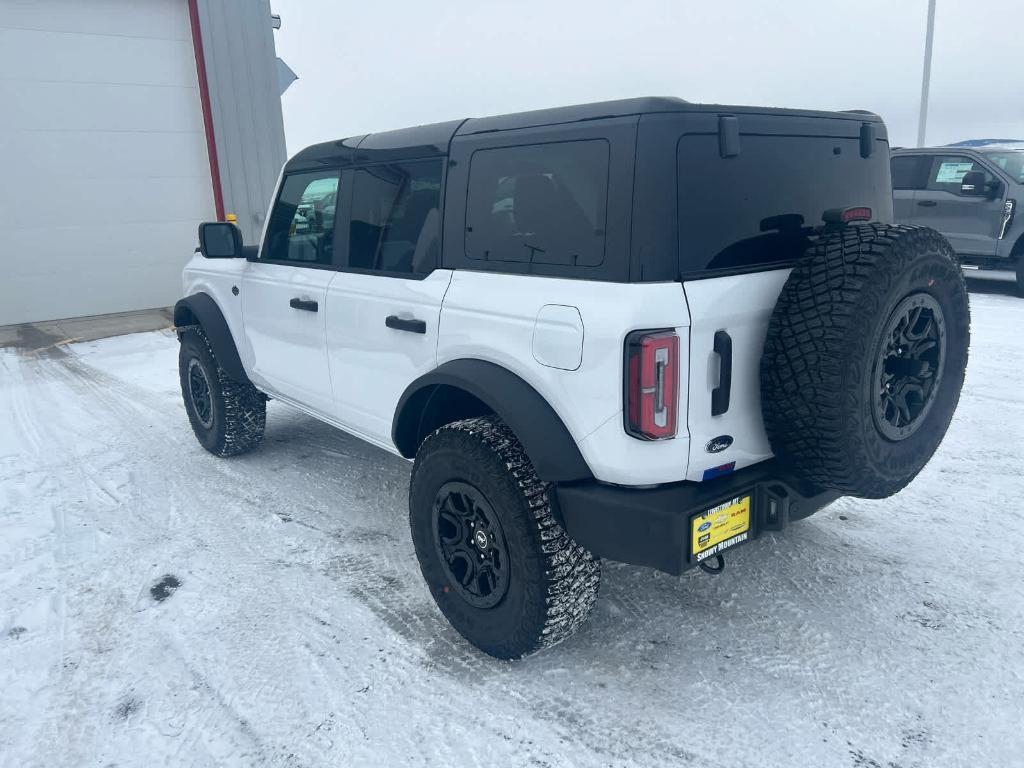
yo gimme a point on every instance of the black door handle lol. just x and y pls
(720, 394)
(927, 203)
(402, 324)
(308, 306)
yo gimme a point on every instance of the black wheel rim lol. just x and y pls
(199, 393)
(470, 544)
(908, 367)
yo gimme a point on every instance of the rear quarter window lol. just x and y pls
(538, 204)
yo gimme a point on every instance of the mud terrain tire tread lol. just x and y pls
(555, 581)
(239, 409)
(821, 345)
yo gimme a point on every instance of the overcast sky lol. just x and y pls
(368, 66)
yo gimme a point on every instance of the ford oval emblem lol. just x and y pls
(718, 444)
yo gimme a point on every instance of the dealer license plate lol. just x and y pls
(721, 527)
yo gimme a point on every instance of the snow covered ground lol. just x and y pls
(159, 606)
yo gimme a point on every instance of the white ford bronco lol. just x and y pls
(643, 330)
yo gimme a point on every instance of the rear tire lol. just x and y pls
(498, 564)
(228, 417)
(865, 358)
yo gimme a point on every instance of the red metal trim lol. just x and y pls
(204, 97)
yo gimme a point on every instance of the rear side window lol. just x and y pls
(948, 171)
(301, 227)
(910, 171)
(396, 217)
(756, 209)
(539, 204)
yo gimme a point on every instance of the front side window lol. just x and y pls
(910, 171)
(396, 217)
(301, 227)
(539, 204)
(948, 172)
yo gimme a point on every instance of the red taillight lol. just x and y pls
(652, 384)
(860, 213)
(840, 216)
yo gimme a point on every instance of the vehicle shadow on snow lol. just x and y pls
(781, 590)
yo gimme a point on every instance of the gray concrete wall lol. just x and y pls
(238, 46)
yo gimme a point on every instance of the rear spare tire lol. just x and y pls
(865, 357)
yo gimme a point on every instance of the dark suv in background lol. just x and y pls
(970, 194)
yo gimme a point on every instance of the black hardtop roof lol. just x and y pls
(433, 139)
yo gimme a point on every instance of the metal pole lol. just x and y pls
(922, 117)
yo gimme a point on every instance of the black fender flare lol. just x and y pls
(543, 434)
(200, 309)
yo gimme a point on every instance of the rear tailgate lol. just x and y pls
(741, 228)
(739, 306)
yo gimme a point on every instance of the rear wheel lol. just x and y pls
(501, 568)
(865, 358)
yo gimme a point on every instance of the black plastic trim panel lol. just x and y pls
(544, 436)
(651, 526)
(204, 309)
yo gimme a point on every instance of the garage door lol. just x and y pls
(105, 171)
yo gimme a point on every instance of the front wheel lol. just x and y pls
(227, 416)
(501, 568)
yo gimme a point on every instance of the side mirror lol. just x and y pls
(973, 183)
(220, 240)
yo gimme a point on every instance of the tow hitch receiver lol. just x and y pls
(716, 569)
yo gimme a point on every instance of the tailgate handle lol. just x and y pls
(927, 203)
(720, 394)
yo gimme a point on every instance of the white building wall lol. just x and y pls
(105, 168)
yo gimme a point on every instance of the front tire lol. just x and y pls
(498, 564)
(228, 417)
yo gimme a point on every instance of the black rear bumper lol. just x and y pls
(651, 526)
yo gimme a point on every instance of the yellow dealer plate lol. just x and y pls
(720, 527)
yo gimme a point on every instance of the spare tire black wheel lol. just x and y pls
(865, 358)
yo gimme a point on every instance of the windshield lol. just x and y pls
(1012, 162)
